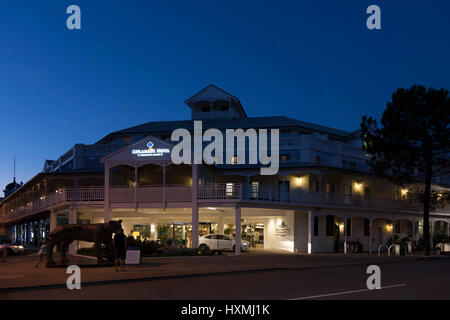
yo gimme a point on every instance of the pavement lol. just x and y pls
(19, 274)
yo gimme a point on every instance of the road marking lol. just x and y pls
(347, 292)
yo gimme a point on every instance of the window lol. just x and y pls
(316, 226)
(234, 160)
(349, 227)
(206, 109)
(223, 108)
(229, 189)
(255, 189)
(330, 226)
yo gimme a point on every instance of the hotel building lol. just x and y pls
(322, 198)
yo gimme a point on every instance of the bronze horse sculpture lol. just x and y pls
(99, 233)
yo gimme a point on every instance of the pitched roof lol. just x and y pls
(255, 122)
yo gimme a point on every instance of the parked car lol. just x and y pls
(12, 248)
(442, 247)
(220, 242)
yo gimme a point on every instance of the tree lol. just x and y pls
(412, 143)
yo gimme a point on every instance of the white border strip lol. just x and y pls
(347, 292)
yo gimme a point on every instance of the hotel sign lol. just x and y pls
(151, 151)
(282, 230)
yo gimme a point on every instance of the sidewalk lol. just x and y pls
(19, 272)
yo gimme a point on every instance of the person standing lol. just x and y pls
(120, 247)
(42, 253)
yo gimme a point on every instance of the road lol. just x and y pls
(424, 279)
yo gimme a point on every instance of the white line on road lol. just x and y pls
(347, 292)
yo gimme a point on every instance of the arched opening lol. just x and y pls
(383, 232)
(150, 175)
(122, 176)
(179, 175)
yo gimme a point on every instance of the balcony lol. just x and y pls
(232, 192)
(66, 195)
(271, 194)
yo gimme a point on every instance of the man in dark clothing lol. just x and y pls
(120, 246)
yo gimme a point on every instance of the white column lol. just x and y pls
(52, 220)
(310, 231)
(221, 224)
(237, 245)
(345, 235)
(107, 213)
(194, 206)
(153, 230)
(164, 188)
(73, 220)
(135, 187)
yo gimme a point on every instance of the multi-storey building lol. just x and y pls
(322, 198)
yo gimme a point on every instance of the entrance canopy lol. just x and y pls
(149, 150)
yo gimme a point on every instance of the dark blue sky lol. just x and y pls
(137, 61)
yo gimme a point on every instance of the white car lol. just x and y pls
(442, 248)
(12, 248)
(219, 242)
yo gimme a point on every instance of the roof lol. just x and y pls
(254, 122)
(212, 91)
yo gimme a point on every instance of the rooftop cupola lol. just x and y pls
(214, 103)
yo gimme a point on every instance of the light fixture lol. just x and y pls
(358, 186)
(404, 192)
(299, 180)
(389, 227)
(341, 226)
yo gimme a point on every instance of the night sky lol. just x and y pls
(137, 61)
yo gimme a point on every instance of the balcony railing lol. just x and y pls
(301, 197)
(210, 192)
(68, 194)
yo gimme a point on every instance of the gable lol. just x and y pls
(147, 150)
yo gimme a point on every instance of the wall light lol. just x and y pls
(404, 192)
(341, 226)
(389, 227)
(358, 186)
(299, 180)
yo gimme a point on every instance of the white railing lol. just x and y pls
(298, 196)
(68, 194)
(217, 191)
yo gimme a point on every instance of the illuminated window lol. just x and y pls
(229, 189)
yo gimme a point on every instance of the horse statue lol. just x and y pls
(98, 233)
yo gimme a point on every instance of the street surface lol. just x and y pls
(427, 278)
